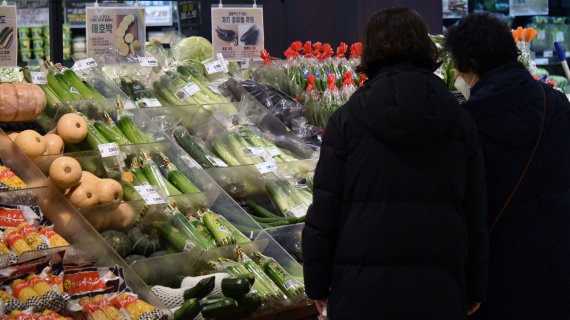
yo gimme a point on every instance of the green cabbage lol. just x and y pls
(193, 48)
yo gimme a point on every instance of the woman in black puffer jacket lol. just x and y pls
(529, 268)
(397, 226)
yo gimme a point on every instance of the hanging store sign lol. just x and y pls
(119, 29)
(237, 32)
(8, 36)
(528, 7)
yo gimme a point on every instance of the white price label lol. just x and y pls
(149, 194)
(266, 167)
(547, 53)
(257, 151)
(560, 36)
(38, 77)
(85, 64)
(216, 161)
(214, 90)
(74, 90)
(109, 149)
(152, 103)
(244, 63)
(541, 35)
(274, 151)
(214, 67)
(148, 61)
(191, 88)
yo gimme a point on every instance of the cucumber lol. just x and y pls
(249, 303)
(261, 211)
(222, 234)
(189, 143)
(129, 191)
(189, 310)
(180, 181)
(236, 287)
(132, 132)
(203, 288)
(220, 308)
(152, 173)
(202, 233)
(175, 238)
(110, 134)
(238, 235)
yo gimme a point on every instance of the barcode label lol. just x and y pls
(148, 62)
(109, 149)
(191, 89)
(266, 167)
(214, 67)
(84, 64)
(216, 162)
(244, 63)
(152, 103)
(149, 194)
(273, 151)
(257, 151)
(181, 94)
(38, 77)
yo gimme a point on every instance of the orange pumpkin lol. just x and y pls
(21, 101)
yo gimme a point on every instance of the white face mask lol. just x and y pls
(463, 87)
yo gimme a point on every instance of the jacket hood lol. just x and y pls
(406, 104)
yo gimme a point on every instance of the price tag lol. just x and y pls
(257, 151)
(547, 53)
(151, 103)
(109, 149)
(149, 194)
(191, 89)
(214, 67)
(148, 61)
(84, 64)
(216, 162)
(273, 151)
(38, 77)
(560, 36)
(244, 63)
(266, 167)
(74, 90)
(541, 61)
(214, 90)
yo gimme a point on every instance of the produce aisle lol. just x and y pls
(174, 186)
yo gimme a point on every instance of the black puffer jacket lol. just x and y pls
(397, 227)
(530, 245)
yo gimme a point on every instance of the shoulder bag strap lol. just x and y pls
(527, 166)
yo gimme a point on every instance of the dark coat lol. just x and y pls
(530, 246)
(397, 226)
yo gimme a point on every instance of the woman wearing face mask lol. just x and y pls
(397, 225)
(524, 129)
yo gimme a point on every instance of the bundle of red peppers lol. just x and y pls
(317, 76)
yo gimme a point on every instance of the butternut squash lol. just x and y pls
(21, 101)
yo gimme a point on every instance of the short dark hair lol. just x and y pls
(480, 43)
(397, 36)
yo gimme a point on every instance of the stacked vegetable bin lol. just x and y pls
(222, 175)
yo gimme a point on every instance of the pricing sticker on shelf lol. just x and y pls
(216, 162)
(257, 151)
(548, 53)
(84, 64)
(149, 194)
(148, 61)
(266, 167)
(109, 149)
(151, 102)
(38, 77)
(273, 151)
(191, 88)
(214, 67)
